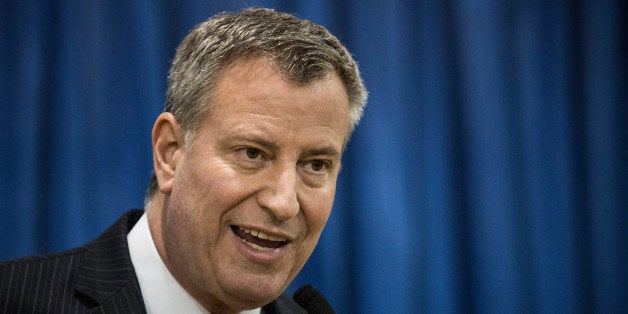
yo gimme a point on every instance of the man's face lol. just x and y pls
(250, 198)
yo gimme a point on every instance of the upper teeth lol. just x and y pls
(263, 235)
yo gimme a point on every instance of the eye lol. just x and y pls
(249, 154)
(249, 158)
(252, 153)
(318, 165)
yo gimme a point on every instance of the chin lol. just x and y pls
(253, 295)
(243, 302)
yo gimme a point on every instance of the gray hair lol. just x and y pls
(301, 51)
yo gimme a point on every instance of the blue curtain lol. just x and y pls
(489, 174)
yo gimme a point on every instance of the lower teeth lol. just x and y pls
(257, 247)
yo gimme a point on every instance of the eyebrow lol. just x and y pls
(327, 151)
(313, 151)
(255, 139)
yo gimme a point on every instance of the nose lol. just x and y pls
(279, 194)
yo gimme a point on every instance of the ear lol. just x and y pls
(168, 148)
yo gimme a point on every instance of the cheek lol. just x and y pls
(205, 196)
(315, 220)
(321, 205)
(193, 220)
(191, 210)
(316, 213)
(200, 186)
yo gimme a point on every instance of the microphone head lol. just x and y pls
(312, 300)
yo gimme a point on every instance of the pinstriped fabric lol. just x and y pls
(98, 277)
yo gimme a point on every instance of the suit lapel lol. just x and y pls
(106, 272)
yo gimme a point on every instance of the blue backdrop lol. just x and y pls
(489, 173)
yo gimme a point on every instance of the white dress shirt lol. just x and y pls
(161, 292)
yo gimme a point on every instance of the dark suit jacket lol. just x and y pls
(97, 277)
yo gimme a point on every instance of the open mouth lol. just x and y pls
(259, 240)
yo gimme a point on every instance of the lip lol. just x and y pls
(269, 256)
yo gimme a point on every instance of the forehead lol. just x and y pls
(253, 88)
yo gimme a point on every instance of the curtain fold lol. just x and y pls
(489, 173)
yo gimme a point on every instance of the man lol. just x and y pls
(260, 106)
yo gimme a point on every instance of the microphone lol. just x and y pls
(312, 300)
